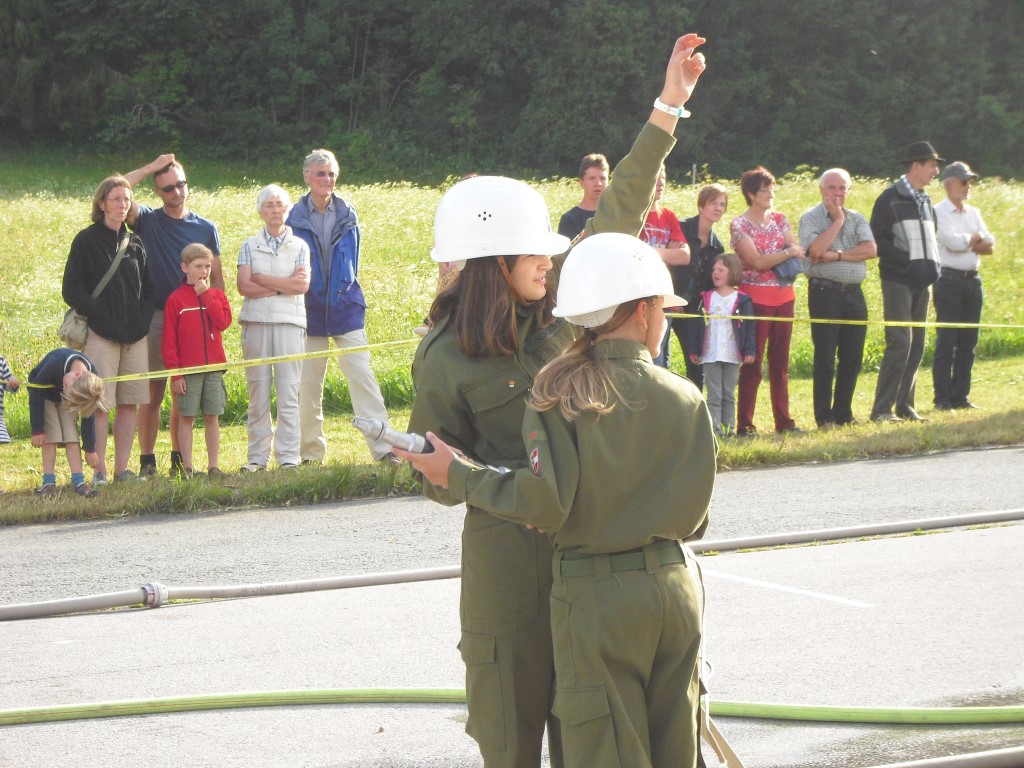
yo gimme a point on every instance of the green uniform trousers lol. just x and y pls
(627, 649)
(506, 642)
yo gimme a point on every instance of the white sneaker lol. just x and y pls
(253, 468)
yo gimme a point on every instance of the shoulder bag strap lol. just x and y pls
(113, 266)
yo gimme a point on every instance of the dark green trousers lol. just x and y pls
(627, 649)
(506, 642)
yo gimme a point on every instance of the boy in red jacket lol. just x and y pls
(194, 317)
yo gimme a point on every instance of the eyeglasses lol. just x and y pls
(321, 174)
(171, 187)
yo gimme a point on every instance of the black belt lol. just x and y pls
(835, 285)
(950, 272)
(578, 564)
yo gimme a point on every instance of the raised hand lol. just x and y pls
(684, 69)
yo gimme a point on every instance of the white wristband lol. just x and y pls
(674, 111)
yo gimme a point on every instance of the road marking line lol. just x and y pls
(794, 590)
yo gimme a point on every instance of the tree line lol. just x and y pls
(411, 88)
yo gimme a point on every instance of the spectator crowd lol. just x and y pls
(298, 277)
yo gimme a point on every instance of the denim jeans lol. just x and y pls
(904, 347)
(957, 300)
(721, 380)
(836, 302)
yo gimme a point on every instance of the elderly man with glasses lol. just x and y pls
(165, 231)
(963, 240)
(335, 308)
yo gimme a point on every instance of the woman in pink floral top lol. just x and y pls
(762, 239)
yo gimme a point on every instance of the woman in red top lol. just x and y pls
(661, 231)
(762, 238)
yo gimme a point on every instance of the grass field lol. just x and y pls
(43, 205)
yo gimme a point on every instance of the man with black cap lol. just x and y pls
(963, 239)
(903, 223)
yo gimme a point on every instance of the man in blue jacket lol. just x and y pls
(335, 307)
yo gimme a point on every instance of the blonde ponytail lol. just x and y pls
(576, 381)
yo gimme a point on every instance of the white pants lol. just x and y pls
(367, 400)
(271, 340)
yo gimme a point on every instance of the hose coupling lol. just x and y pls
(155, 594)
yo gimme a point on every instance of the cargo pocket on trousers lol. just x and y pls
(587, 729)
(486, 721)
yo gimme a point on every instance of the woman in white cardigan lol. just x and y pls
(273, 275)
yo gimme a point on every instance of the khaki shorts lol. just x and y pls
(154, 341)
(59, 424)
(112, 359)
(204, 393)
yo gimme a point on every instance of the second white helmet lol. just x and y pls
(493, 216)
(607, 270)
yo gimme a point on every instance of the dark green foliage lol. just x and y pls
(427, 88)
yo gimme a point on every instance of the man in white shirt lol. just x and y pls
(963, 239)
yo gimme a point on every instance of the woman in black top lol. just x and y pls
(690, 280)
(118, 317)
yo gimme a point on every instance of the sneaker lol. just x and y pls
(48, 491)
(84, 489)
(289, 465)
(127, 475)
(147, 470)
(252, 468)
(216, 473)
(99, 479)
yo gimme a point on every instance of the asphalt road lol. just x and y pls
(933, 620)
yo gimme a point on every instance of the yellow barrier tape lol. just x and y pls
(333, 352)
(406, 342)
(828, 321)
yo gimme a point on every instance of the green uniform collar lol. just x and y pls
(619, 349)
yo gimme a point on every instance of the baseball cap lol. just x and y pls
(958, 170)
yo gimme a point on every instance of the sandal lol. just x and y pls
(84, 489)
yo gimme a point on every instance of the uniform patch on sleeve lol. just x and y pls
(535, 461)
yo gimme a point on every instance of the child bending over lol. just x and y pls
(66, 387)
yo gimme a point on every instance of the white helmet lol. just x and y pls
(493, 216)
(607, 270)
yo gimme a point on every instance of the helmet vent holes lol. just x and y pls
(484, 215)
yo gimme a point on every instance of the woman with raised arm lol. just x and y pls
(621, 465)
(492, 331)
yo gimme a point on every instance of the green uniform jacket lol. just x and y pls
(605, 484)
(477, 404)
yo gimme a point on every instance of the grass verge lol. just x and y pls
(350, 475)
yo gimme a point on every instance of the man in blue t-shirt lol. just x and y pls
(165, 231)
